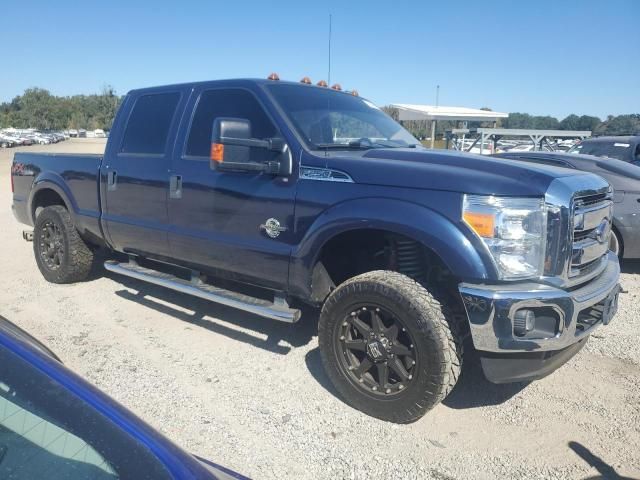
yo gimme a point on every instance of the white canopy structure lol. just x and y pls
(430, 112)
(434, 113)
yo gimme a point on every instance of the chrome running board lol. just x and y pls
(277, 310)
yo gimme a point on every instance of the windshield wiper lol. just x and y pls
(363, 144)
(341, 146)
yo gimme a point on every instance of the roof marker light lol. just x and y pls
(306, 81)
(336, 86)
(355, 93)
(274, 76)
(322, 83)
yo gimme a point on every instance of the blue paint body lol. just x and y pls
(179, 464)
(215, 225)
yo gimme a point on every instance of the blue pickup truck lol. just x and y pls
(264, 195)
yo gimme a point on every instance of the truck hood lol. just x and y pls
(448, 170)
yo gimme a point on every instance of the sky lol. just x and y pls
(540, 57)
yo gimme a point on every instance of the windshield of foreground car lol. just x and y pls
(329, 119)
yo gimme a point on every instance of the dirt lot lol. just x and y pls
(250, 393)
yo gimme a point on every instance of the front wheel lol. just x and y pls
(388, 347)
(61, 254)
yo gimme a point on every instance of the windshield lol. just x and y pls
(620, 150)
(327, 119)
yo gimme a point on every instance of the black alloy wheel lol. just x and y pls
(378, 353)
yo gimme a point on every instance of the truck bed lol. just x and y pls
(77, 173)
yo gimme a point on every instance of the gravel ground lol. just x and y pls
(250, 393)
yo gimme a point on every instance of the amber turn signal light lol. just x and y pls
(481, 223)
(217, 152)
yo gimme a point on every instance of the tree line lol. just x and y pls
(37, 108)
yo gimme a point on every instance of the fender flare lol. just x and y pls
(52, 181)
(464, 256)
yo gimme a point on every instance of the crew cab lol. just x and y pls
(265, 194)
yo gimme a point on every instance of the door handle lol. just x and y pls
(175, 186)
(112, 181)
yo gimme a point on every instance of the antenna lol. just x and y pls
(437, 95)
(329, 75)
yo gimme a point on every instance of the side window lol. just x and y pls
(225, 103)
(149, 123)
(48, 432)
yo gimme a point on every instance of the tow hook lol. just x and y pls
(27, 235)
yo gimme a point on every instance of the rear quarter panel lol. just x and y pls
(73, 177)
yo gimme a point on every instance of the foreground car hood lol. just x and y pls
(449, 170)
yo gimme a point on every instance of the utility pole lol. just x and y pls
(329, 74)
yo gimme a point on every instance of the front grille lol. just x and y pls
(588, 200)
(590, 233)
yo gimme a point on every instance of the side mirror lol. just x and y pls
(231, 145)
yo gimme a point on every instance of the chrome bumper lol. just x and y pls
(491, 308)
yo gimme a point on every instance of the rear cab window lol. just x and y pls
(148, 124)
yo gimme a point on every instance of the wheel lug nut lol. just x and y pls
(361, 380)
(411, 346)
(353, 314)
(404, 329)
(344, 324)
(377, 309)
(350, 367)
(388, 390)
(342, 337)
(374, 388)
(400, 387)
(413, 362)
(410, 377)
(364, 309)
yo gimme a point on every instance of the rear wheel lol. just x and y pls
(61, 254)
(387, 346)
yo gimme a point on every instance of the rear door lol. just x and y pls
(136, 173)
(216, 216)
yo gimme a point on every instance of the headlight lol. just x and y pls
(514, 230)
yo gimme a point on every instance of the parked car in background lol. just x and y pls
(7, 142)
(623, 177)
(99, 133)
(55, 425)
(626, 148)
(82, 133)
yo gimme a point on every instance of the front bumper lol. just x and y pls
(491, 309)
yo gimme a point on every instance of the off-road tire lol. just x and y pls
(76, 259)
(431, 325)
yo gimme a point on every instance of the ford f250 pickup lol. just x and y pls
(264, 194)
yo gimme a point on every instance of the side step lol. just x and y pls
(276, 310)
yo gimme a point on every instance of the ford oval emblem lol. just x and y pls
(603, 230)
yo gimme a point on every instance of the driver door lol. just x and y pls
(217, 216)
